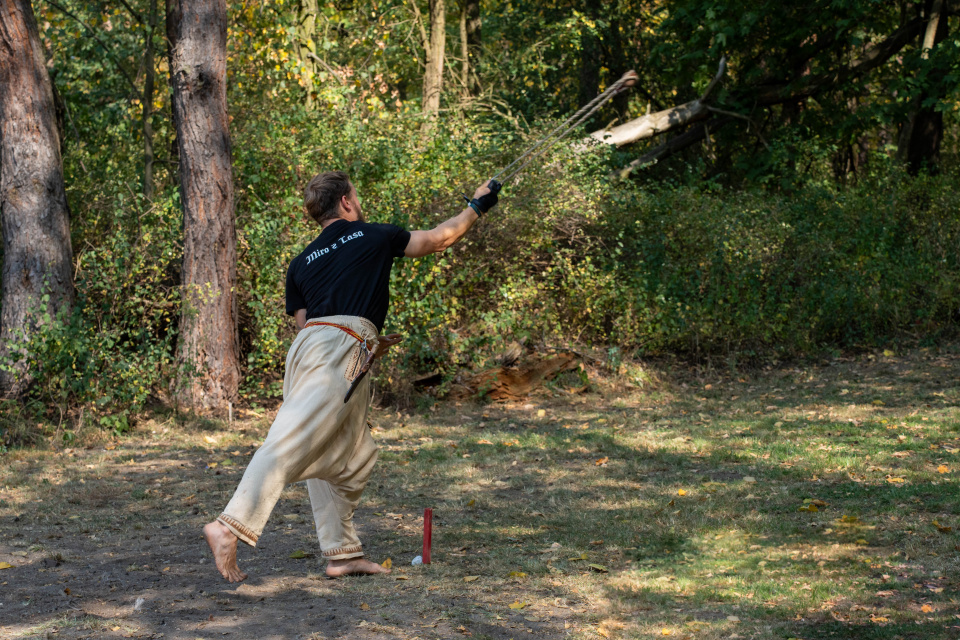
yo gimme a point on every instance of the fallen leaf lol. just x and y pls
(598, 567)
(926, 608)
(518, 605)
(603, 632)
(471, 503)
(209, 440)
(517, 574)
(541, 413)
(6, 565)
(733, 618)
(298, 554)
(386, 564)
(893, 480)
(602, 461)
(665, 632)
(749, 479)
(484, 441)
(681, 492)
(887, 353)
(878, 403)
(943, 469)
(808, 507)
(470, 578)
(364, 606)
(596, 542)
(211, 465)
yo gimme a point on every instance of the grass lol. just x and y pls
(794, 502)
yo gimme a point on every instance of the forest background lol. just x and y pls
(782, 185)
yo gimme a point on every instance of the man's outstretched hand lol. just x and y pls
(485, 197)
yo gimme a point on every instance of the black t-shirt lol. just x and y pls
(346, 271)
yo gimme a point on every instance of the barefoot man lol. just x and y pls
(338, 292)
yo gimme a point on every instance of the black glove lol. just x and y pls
(487, 201)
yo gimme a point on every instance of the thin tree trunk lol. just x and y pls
(474, 22)
(148, 87)
(37, 255)
(589, 58)
(464, 49)
(923, 132)
(433, 76)
(307, 49)
(209, 343)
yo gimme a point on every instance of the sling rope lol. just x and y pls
(627, 80)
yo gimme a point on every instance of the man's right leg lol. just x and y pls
(334, 500)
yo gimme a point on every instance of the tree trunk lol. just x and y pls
(307, 49)
(474, 22)
(148, 86)
(464, 49)
(209, 344)
(433, 76)
(923, 132)
(589, 58)
(37, 256)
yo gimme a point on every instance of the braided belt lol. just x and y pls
(347, 330)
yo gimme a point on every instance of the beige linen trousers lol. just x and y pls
(315, 437)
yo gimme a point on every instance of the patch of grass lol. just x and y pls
(799, 502)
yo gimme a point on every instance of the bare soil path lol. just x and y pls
(793, 502)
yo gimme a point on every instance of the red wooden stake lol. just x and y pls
(427, 534)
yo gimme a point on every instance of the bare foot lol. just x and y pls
(223, 544)
(353, 566)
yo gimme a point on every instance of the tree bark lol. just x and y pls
(307, 49)
(148, 88)
(653, 124)
(589, 58)
(37, 255)
(464, 49)
(474, 42)
(209, 343)
(433, 76)
(922, 133)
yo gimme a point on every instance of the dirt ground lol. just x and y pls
(629, 511)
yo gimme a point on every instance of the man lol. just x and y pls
(340, 283)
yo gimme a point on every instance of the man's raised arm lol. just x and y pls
(446, 233)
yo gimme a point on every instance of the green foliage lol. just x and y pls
(759, 245)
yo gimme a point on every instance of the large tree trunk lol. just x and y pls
(37, 256)
(433, 76)
(209, 344)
